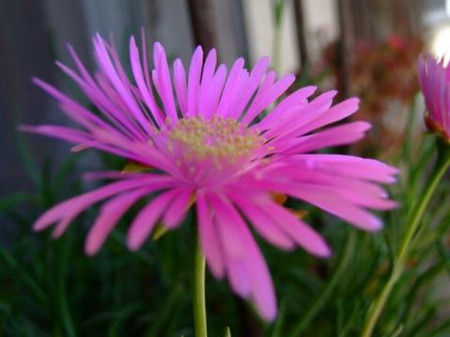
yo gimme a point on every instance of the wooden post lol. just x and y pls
(203, 24)
(301, 33)
(345, 46)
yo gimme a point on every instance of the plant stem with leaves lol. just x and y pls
(441, 166)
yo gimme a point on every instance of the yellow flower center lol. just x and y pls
(217, 138)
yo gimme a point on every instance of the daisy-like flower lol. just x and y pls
(434, 77)
(202, 134)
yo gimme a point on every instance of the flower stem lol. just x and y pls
(441, 166)
(199, 291)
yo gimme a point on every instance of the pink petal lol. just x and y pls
(209, 238)
(205, 84)
(80, 138)
(177, 210)
(253, 82)
(335, 136)
(195, 70)
(304, 235)
(351, 166)
(262, 289)
(226, 218)
(110, 213)
(209, 66)
(242, 83)
(97, 97)
(290, 225)
(339, 207)
(105, 63)
(145, 90)
(265, 226)
(84, 117)
(238, 276)
(145, 59)
(146, 220)
(62, 132)
(352, 194)
(179, 79)
(214, 92)
(267, 97)
(295, 173)
(258, 278)
(81, 202)
(290, 123)
(230, 86)
(295, 100)
(336, 113)
(162, 81)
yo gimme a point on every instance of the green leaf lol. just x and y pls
(11, 201)
(30, 165)
(227, 332)
(159, 232)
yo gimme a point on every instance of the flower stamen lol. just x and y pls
(217, 138)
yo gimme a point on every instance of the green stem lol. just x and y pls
(27, 279)
(440, 168)
(199, 292)
(327, 290)
(227, 332)
(63, 261)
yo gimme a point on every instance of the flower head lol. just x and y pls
(434, 77)
(201, 133)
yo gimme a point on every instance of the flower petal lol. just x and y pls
(177, 210)
(265, 226)
(195, 70)
(209, 237)
(226, 218)
(110, 213)
(146, 220)
(80, 203)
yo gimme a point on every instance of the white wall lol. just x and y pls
(321, 28)
(321, 21)
(260, 33)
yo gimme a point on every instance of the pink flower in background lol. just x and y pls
(202, 134)
(434, 77)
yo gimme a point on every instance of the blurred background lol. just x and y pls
(365, 48)
(350, 40)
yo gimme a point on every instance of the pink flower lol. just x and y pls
(434, 77)
(209, 143)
